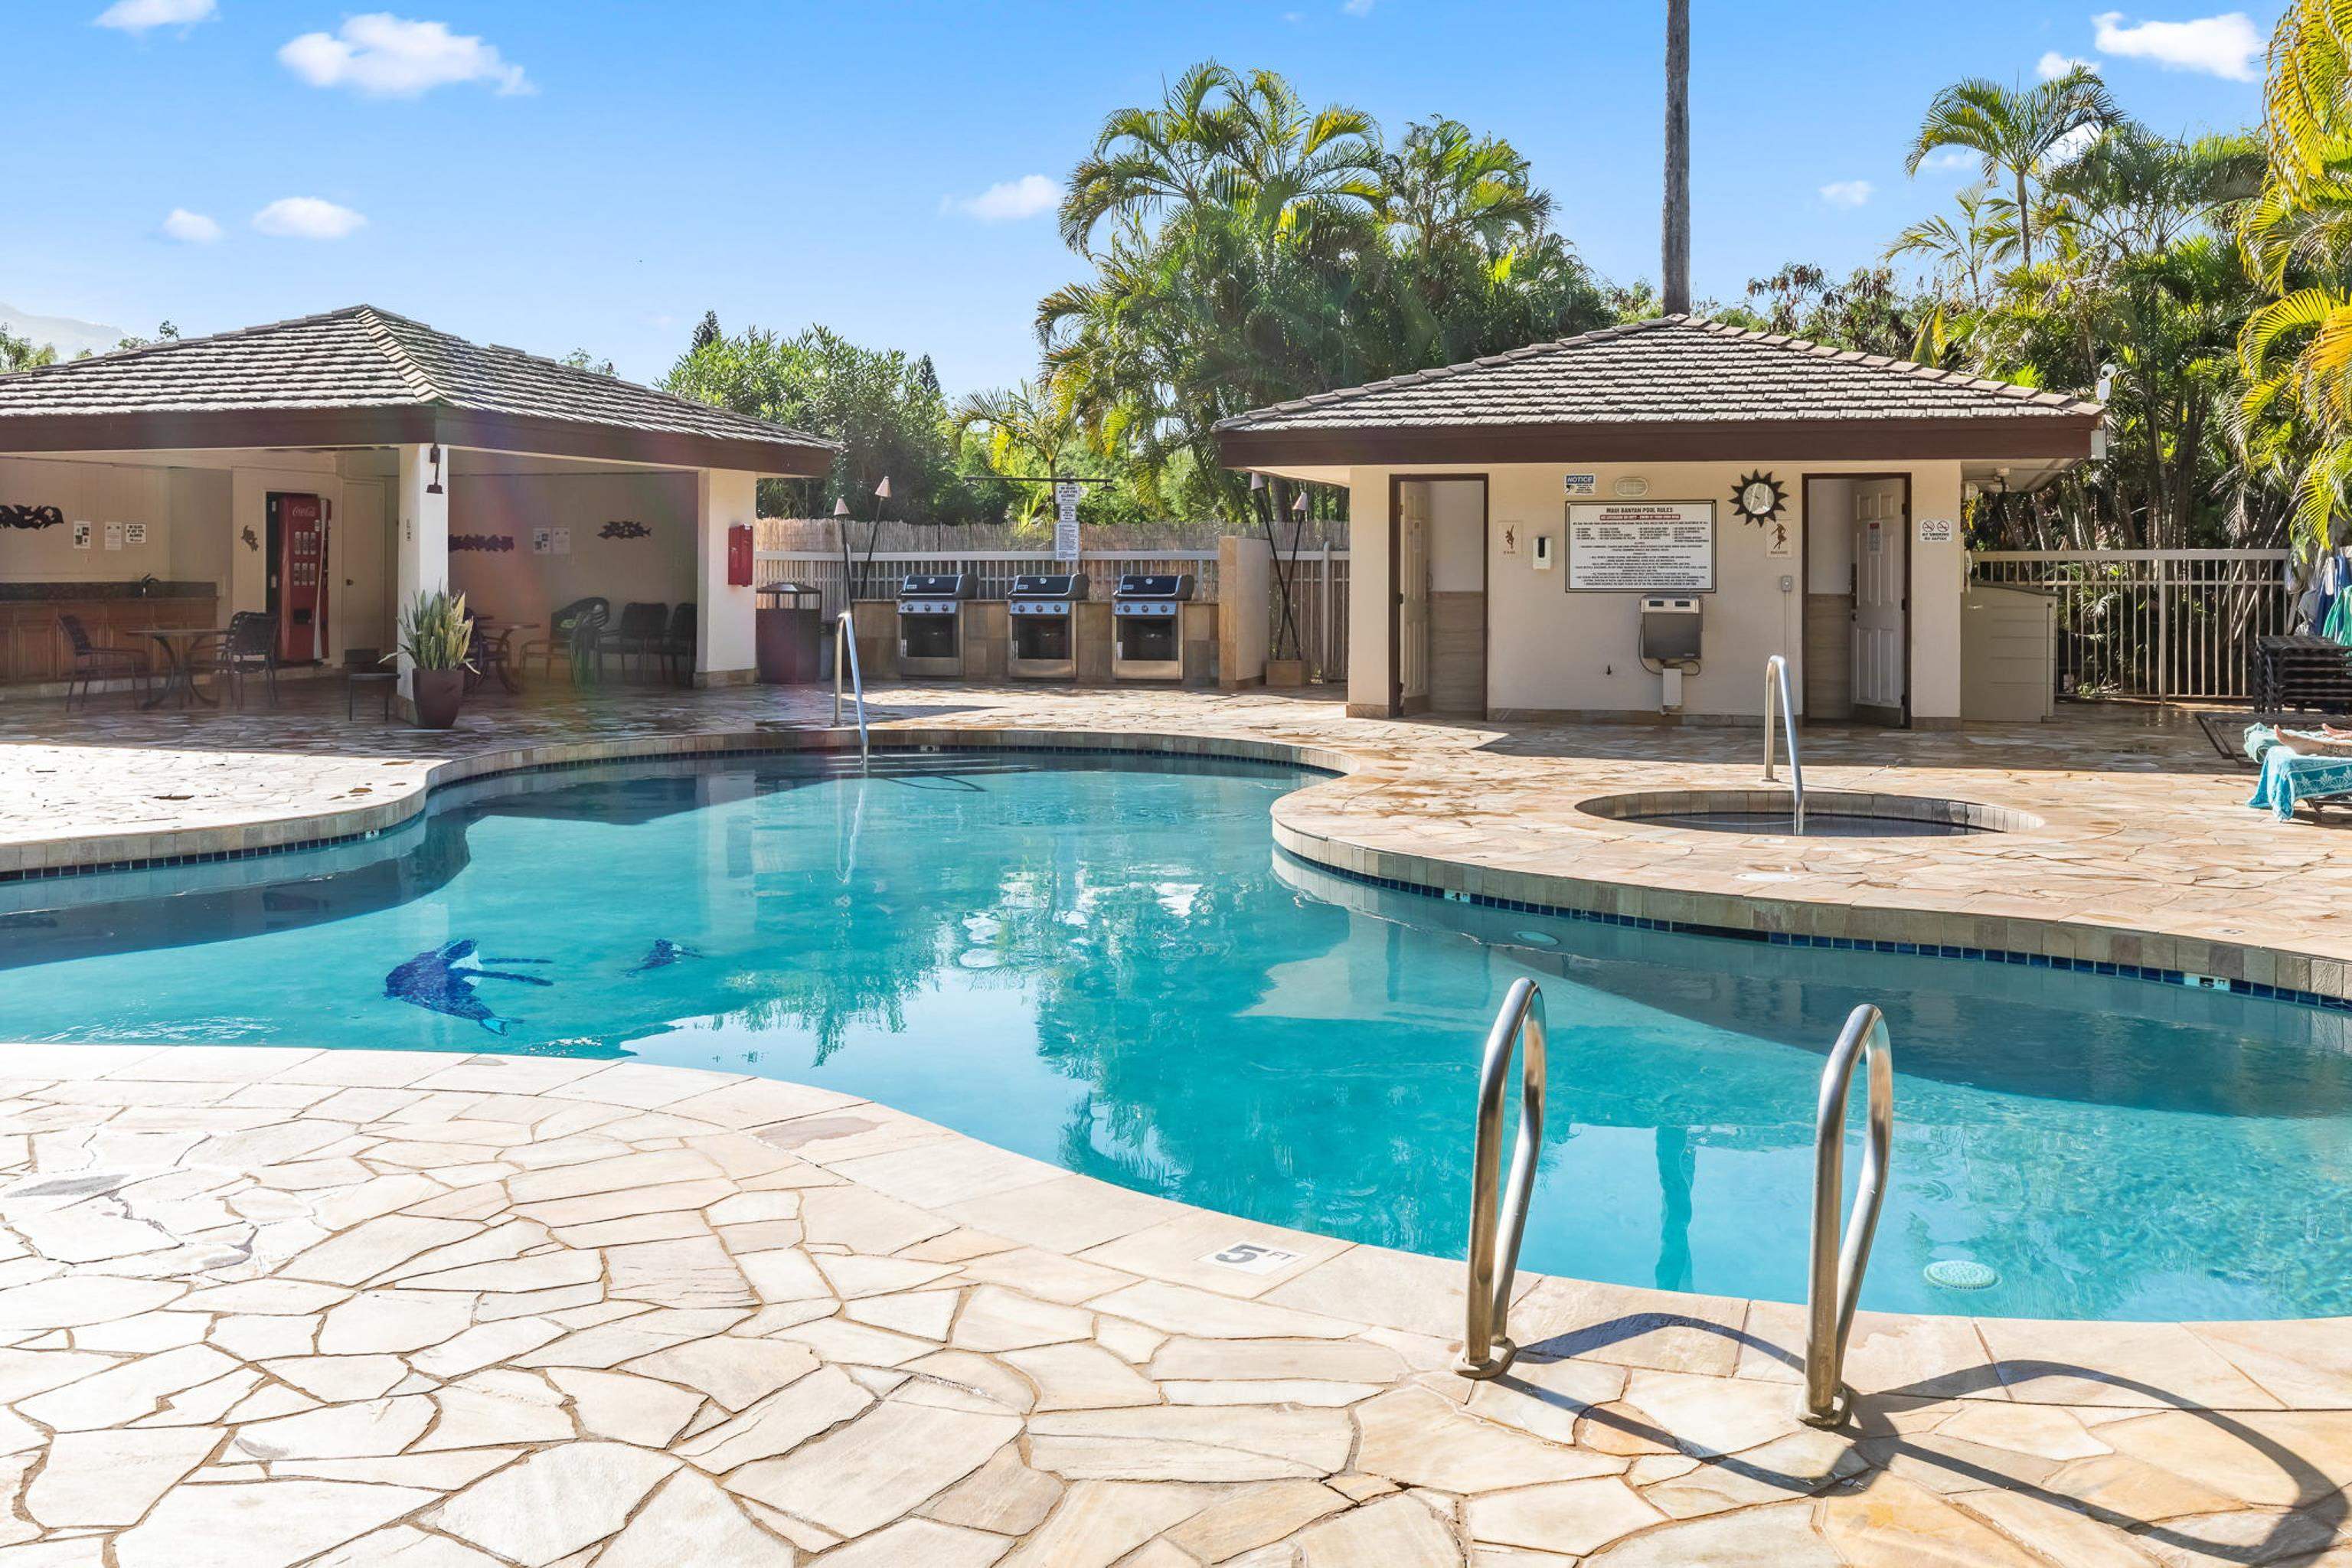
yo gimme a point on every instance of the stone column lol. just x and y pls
(724, 641)
(420, 545)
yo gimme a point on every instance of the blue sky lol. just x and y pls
(597, 173)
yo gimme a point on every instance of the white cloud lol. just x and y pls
(1008, 200)
(1357, 7)
(138, 15)
(2054, 65)
(2223, 45)
(1847, 192)
(2071, 145)
(306, 218)
(1952, 161)
(389, 57)
(190, 229)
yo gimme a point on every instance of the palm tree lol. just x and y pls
(1675, 229)
(1443, 187)
(2016, 133)
(2296, 350)
(1029, 436)
(1222, 139)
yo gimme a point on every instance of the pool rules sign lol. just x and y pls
(1640, 547)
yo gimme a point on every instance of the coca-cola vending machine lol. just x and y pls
(298, 575)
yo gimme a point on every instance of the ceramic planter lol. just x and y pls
(439, 694)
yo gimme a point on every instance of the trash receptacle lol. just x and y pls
(789, 627)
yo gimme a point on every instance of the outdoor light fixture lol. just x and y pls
(434, 487)
(882, 490)
(841, 508)
(1258, 481)
(1299, 506)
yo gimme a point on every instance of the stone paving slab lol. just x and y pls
(2144, 853)
(640, 1320)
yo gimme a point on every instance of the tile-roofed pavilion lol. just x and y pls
(363, 376)
(1677, 387)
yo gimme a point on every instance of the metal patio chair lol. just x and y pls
(96, 661)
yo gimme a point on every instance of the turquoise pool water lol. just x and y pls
(1105, 963)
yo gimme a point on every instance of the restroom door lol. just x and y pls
(1411, 557)
(363, 609)
(1882, 601)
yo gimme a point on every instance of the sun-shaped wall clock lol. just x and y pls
(1759, 498)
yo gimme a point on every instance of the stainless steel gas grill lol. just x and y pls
(1043, 611)
(930, 623)
(1147, 626)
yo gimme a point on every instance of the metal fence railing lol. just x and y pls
(1318, 585)
(2166, 624)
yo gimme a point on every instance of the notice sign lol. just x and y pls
(1641, 547)
(1065, 541)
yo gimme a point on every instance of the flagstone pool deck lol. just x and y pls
(262, 1307)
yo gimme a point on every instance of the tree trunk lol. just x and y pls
(2024, 224)
(1675, 261)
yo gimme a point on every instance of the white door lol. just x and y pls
(1882, 586)
(360, 559)
(1412, 596)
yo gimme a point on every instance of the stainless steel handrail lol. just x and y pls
(1498, 1220)
(1840, 1253)
(845, 659)
(1776, 687)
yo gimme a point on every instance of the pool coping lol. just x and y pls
(2088, 946)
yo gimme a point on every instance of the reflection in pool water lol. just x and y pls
(1102, 963)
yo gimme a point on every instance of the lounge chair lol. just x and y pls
(561, 628)
(639, 631)
(94, 662)
(248, 648)
(677, 646)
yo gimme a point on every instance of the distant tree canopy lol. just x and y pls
(885, 407)
(1244, 247)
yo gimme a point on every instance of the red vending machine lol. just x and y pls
(298, 577)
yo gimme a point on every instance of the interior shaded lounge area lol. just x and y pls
(189, 523)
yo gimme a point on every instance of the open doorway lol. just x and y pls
(1437, 558)
(1857, 638)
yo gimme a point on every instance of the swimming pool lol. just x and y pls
(1103, 963)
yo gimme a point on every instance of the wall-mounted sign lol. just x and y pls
(1779, 542)
(1065, 540)
(114, 536)
(542, 542)
(1511, 542)
(82, 536)
(1641, 547)
(562, 539)
(134, 533)
(1630, 487)
(625, 528)
(1582, 484)
(1935, 530)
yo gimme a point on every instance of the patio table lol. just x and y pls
(178, 644)
(493, 652)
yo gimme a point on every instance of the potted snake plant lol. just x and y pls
(436, 635)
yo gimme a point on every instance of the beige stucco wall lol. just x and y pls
(185, 513)
(520, 585)
(1551, 651)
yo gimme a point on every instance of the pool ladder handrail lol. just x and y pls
(1841, 1252)
(1776, 689)
(845, 660)
(1498, 1218)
